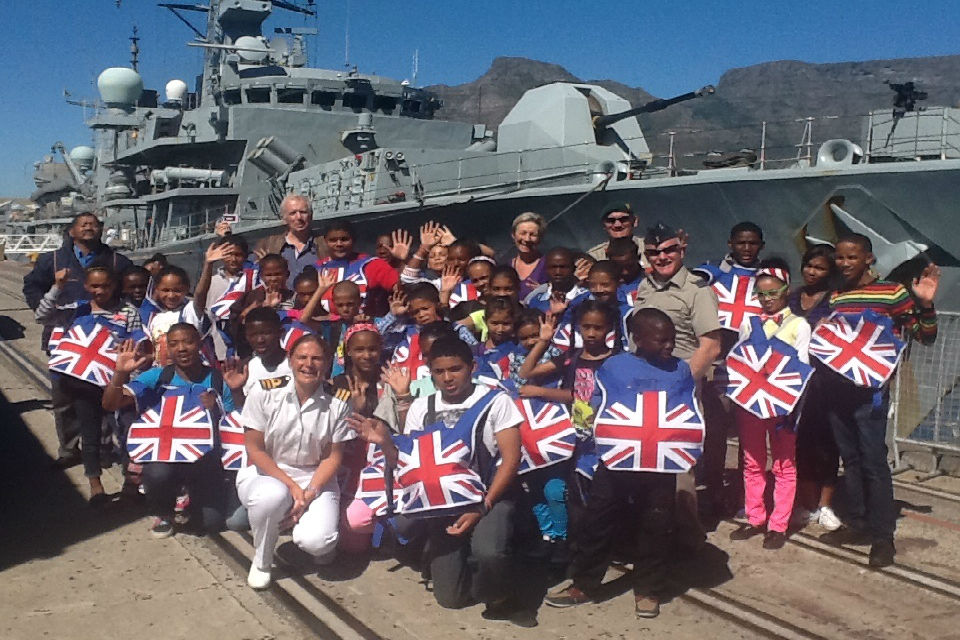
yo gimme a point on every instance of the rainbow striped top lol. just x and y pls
(893, 300)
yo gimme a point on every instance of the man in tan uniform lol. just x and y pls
(619, 222)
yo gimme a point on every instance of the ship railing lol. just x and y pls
(925, 400)
(22, 244)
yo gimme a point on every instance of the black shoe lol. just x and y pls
(746, 532)
(774, 540)
(65, 462)
(882, 553)
(845, 536)
(510, 611)
(99, 500)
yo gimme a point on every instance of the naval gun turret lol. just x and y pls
(602, 121)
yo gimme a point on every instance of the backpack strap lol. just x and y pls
(431, 416)
(166, 376)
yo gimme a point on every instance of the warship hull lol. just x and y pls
(899, 201)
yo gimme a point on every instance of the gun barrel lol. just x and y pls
(654, 105)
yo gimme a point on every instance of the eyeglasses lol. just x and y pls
(653, 253)
(612, 220)
(772, 293)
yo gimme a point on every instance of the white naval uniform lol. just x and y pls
(297, 437)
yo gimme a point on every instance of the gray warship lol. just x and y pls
(260, 123)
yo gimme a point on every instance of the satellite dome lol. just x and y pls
(83, 156)
(176, 90)
(253, 49)
(120, 86)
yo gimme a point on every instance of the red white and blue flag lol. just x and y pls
(341, 270)
(433, 471)
(293, 331)
(736, 299)
(372, 484)
(860, 347)
(463, 292)
(547, 433)
(86, 351)
(409, 356)
(765, 375)
(248, 281)
(176, 429)
(234, 450)
(645, 428)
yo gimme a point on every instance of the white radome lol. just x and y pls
(120, 86)
(175, 90)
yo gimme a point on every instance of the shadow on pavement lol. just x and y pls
(43, 513)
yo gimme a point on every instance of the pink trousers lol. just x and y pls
(753, 442)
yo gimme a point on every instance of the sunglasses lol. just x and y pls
(615, 219)
(773, 293)
(653, 253)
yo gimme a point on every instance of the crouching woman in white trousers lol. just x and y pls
(293, 430)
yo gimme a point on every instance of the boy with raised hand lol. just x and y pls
(561, 287)
(468, 555)
(652, 492)
(858, 415)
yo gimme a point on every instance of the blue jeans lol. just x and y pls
(858, 418)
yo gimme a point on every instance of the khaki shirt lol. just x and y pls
(599, 252)
(690, 304)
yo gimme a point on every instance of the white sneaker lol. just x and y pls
(257, 578)
(828, 519)
(814, 516)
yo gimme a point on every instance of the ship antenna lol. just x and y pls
(416, 65)
(346, 39)
(134, 49)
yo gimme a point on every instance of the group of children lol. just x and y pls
(400, 344)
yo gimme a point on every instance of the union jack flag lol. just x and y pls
(408, 355)
(463, 292)
(341, 270)
(648, 430)
(434, 474)
(860, 347)
(766, 376)
(736, 299)
(547, 434)
(176, 429)
(56, 335)
(567, 337)
(293, 331)
(87, 351)
(372, 485)
(234, 455)
(494, 365)
(248, 281)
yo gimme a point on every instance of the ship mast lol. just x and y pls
(135, 50)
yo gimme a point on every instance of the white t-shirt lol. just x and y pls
(296, 435)
(257, 371)
(503, 414)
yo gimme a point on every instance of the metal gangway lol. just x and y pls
(27, 243)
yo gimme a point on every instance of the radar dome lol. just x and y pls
(120, 86)
(83, 156)
(253, 49)
(176, 90)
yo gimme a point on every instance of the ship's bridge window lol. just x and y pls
(290, 96)
(412, 107)
(232, 96)
(355, 101)
(323, 99)
(385, 104)
(258, 95)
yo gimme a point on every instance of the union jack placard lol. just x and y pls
(860, 347)
(293, 331)
(766, 377)
(736, 300)
(86, 351)
(248, 281)
(547, 434)
(408, 355)
(234, 450)
(463, 292)
(177, 429)
(372, 484)
(651, 431)
(434, 474)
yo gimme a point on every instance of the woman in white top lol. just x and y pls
(294, 435)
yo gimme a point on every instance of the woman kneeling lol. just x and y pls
(293, 430)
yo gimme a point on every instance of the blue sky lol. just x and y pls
(664, 47)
